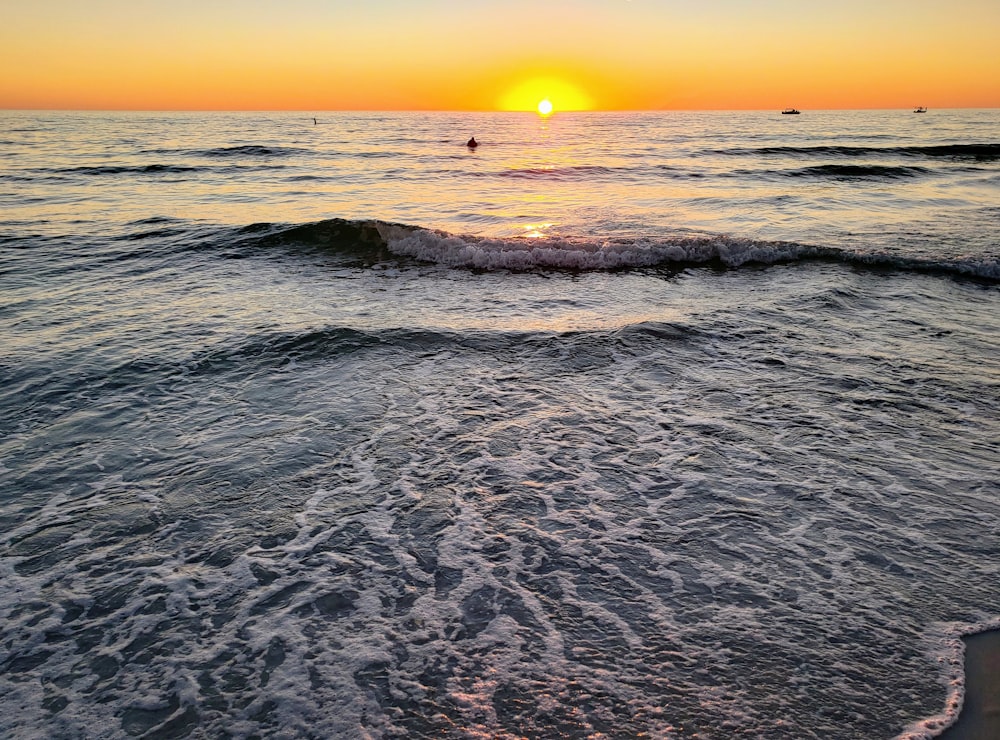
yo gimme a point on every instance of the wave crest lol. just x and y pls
(612, 254)
(370, 241)
(237, 150)
(581, 253)
(858, 172)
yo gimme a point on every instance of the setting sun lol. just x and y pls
(545, 95)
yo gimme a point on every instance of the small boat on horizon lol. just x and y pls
(920, 109)
(790, 112)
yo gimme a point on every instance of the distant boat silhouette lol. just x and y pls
(920, 109)
(790, 112)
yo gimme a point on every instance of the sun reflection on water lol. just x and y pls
(536, 231)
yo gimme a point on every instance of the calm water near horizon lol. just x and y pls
(665, 425)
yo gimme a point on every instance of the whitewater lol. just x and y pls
(666, 425)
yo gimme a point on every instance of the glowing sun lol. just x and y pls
(544, 95)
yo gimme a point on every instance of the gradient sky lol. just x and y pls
(495, 55)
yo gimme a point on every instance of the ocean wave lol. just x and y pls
(239, 150)
(611, 254)
(569, 253)
(837, 172)
(561, 173)
(128, 170)
(954, 151)
(274, 351)
(373, 240)
(68, 173)
(278, 349)
(592, 172)
(857, 172)
(583, 173)
(368, 242)
(250, 150)
(62, 173)
(253, 353)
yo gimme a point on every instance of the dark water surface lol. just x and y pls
(680, 424)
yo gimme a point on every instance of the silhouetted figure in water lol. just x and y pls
(472, 143)
(314, 122)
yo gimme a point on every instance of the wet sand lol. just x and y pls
(980, 717)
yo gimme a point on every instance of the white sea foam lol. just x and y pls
(683, 562)
(947, 649)
(580, 254)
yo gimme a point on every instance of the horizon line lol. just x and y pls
(478, 110)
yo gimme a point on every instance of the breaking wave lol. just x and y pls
(379, 239)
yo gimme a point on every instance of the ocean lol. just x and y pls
(666, 425)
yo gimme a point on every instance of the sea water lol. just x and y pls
(663, 425)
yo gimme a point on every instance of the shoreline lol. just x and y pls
(980, 715)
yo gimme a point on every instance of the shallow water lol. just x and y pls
(308, 478)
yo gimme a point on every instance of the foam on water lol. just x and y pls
(264, 472)
(949, 652)
(376, 240)
(582, 253)
(653, 528)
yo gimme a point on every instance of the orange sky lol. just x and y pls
(492, 54)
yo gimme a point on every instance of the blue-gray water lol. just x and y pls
(678, 424)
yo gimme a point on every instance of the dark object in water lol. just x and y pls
(790, 112)
(920, 109)
(472, 143)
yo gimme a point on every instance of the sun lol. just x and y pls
(544, 95)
